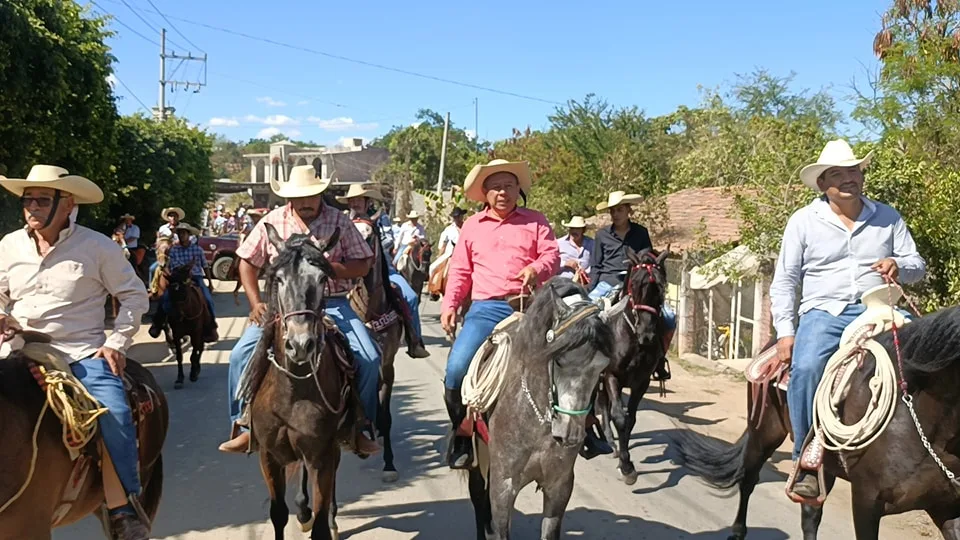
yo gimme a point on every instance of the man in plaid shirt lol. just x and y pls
(351, 258)
(186, 252)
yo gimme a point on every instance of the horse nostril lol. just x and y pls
(558, 440)
(310, 345)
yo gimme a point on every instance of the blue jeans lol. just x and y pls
(365, 353)
(669, 316)
(116, 427)
(478, 324)
(409, 296)
(198, 280)
(817, 338)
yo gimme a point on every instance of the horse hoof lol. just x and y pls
(178, 385)
(308, 526)
(335, 534)
(615, 454)
(195, 376)
(390, 476)
(629, 479)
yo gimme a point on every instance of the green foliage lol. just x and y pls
(56, 105)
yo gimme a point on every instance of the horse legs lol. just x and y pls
(555, 499)
(197, 346)
(867, 512)
(178, 352)
(302, 500)
(480, 497)
(614, 410)
(385, 419)
(276, 480)
(324, 496)
(503, 496)
(628, 473)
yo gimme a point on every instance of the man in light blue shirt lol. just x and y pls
(834, 249)
(575, 251)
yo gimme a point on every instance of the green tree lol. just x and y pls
(56, 106)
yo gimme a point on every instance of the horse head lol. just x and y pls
(563, 334)
(420, 254)
(646, 289)
(296, 283)
(179, 282)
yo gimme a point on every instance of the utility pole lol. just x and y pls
(161, 111)
(443, 155)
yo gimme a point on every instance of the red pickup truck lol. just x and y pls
(221, 252)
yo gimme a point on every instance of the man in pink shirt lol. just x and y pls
(504, 250)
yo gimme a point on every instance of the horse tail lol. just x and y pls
(720, 463)
(150, 501)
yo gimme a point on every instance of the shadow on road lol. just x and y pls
(454, 519)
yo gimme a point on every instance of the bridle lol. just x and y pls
(633, 301)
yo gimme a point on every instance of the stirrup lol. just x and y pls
(810, 462)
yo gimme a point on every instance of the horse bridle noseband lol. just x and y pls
(635, 304)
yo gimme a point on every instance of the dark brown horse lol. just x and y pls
(188, 318)
(638, 328)
(896, 473)
(305, 404)
(417, 266)
(46, 475)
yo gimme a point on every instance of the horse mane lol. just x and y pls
(16, 382)
(928, 344)
(540, 317)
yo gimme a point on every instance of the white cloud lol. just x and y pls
(112, 80)
(272, 120)
(342, 123)
(471, 134)
(223, 122)
(293, 133)
(271, 102)
(266, 133)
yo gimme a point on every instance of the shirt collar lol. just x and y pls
(488, 213)
(822, 208)
(64, 234)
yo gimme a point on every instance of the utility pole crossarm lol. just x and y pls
(160, 113)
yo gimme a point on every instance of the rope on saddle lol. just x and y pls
(487, 373)
(77, 410)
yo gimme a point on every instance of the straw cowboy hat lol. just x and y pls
(356, 190)
(184, 226)
(304, 181)
(473, 184)
(835, 154)
(576, 222)
(396, 219)
(256, 211)
(617, 198)
(173, 210)
(413, 215)
(128, 216)
(52, 177)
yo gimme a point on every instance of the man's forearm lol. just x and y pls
(352, 269)
(250, 280)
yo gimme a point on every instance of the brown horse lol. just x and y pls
(417, 265)
(897, 473)
(187, 318)
(57, 491)
(305, 404)
(379, 311)
(437, 287)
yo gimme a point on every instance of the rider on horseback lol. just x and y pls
(410, 233)
(58, 275)
(576, 250)
(185, 253)
(836, 248)
(504, 251)
(306, 213)
(610, 264)
(360, 200)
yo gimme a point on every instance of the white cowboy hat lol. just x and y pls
(396, 219)
(413, 215)
(617, 198)
(303, 182)
(835, 154)
(52, 177)
(356, 190)
(473, 184)
(173, 210)
(131, 216)
(576, 222)
(184, 226)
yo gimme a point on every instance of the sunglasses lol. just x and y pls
(42, 202)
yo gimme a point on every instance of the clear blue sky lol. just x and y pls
(644, 53)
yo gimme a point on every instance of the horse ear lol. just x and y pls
(663, 256)
(274, 237)
(332, 241)
(631, 257)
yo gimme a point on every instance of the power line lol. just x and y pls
(125, 25)
(142, 104)
(175, 29)
(362, 62)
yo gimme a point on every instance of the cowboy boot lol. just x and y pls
(594, 444)
(460, 449)
(128, 527)
(159, 321)
(807, 486)
(415, 348)
(662, 372)
(365, 444)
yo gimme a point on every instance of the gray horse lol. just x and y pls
(537, 426)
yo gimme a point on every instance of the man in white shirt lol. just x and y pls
(131, 233)
(410, 233)
(834, 249)
(448, 239)
(172, 216)
(58, 275)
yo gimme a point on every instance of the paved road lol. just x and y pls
(210, 495)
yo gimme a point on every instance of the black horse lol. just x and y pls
(538, 424)
(893, 475)
(638, 330)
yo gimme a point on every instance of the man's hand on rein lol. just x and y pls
(785, 349)
(258, 312)
(887, 268)
(448, 320)
(528, 278)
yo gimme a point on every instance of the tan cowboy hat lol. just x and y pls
(184, 226)
(52, 177)
(131, 216)
(473, 184)
(617, 198)
(173, 210)
(413, 215)
(396, 219)
(257, 211)
(356, 190)
(835, 154)
(303, 182)
(576, 222)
